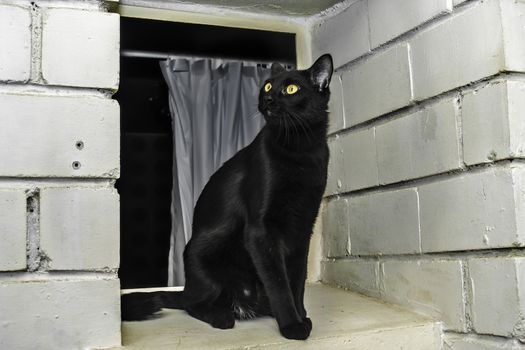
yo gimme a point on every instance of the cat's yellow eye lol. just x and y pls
(292, 89)
(267, 87)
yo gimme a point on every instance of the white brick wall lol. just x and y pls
(356, 274)
(79, 228)
(60, 314)
(359, 160)
(513, 22)
(336, 240)
(353, 162)
(384, 223)
(59, 64)
(390, 18)
(377, 86)
(345, 35)
(473, 211)
(458, 2)
(423, 143)
(12, 230)
(435, 111)
(492, 122)
(39, 135)
(15, 43)
(452, 53)
(498, 296)
(481, 210)
(335, 166)
(80, 48)
(516, 106)
(434, 287)
(472, 342)
(335, 106)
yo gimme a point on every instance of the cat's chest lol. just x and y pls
(285, 179)
(309, 172)
(295, 181)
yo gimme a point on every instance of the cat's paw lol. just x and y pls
(308, 322)
(225, 321)
(298, 331)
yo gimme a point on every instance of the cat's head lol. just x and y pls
(289, 95)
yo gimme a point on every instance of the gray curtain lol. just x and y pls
(214, 113)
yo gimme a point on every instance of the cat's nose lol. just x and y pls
(268, 98)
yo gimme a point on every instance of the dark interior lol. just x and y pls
(146, 139)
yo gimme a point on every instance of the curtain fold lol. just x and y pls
(213, 106)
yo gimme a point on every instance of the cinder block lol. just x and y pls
(474, 342)
(336, 116)
(420, 144)
(434, 287)
(377, 86)
(518, 181)
(485, 124)
(461, 49)
(353, 162)
(336, 239)
(62, 314)
(493, 127)
(472, 211)
(513, 22)
(79, 228)
(355, 274)
(457, 2)
(46, 135)
(344, 35)
(498, 293)
(335, 179)
(516, 105)
(15, 43)
(385, 223)
(80, 48)
(12, 230)
(391, 18)
(359, 160)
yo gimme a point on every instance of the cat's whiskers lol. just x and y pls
(307, 129)
(285, 130)
(297, 131)
(296, 120)
(303, 125)
(306, 125)
(292, 124)
(280, 130)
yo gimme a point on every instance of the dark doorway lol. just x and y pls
(146, 139)
(146, 175)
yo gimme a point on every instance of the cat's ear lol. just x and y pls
(277, 68)
(321, 71)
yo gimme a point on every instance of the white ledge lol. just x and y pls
(341, 320)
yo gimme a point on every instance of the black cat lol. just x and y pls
(253, 220)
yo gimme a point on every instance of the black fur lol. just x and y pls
(253, 220)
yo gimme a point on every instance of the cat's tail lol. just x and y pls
(142, 306)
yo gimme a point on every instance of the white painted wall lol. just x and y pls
(425, 195)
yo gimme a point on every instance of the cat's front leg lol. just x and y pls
(269, 263)
(296, 267)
